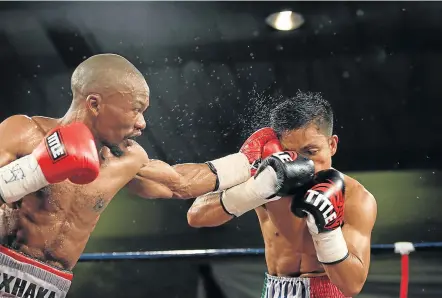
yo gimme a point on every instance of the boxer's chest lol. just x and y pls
(65, 197)
(90, 199)
(280, 227)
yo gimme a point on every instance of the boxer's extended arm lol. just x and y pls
(360, 215)
(278, 175)
(207, 211)
(157, 179)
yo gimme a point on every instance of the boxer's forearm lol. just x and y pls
(214, 175)
(157, 179)
(349, 275)
(207, 211)
(194, 180)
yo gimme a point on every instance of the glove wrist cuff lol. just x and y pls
(251, 194)
(231, 170)
(331, 247)
(21, 177)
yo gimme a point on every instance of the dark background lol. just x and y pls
(215, 69)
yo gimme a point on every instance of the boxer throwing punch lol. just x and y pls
(312, 247)
(58, 175)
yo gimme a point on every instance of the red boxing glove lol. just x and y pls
(261, 144)
(68, 152)
(237, 168)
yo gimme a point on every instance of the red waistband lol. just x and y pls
(321, 286)
(28, 260)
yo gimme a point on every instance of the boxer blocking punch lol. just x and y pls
(278, 175)
(323, 207)
(312, 247)
(58, 175)
(259, 145)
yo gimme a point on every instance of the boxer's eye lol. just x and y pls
(312, 151)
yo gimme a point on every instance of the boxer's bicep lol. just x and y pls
(360, 216)
(195, 179)
(148, 189)
(153, 180)
(181, 181)
(150, 181)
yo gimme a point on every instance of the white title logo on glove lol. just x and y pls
(56, 148)
(315, 198)
(283, 156)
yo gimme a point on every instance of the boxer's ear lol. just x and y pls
(333, 144)
(93, 102)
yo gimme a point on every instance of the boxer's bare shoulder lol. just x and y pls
(44, 124)
(19, 134)
(129, 163)
(136, 151)
(356, 193)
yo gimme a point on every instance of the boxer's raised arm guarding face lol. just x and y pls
(359, 217)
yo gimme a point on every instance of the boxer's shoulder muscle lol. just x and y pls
(354, 189)
(154, 178)
(358, 197)
(19, 135)
(136, 156)
(126, 166)
(136, 151)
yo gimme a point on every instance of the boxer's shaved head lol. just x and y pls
(110, 94)
(106, 74)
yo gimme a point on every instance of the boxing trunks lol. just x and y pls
(22, 276)
(299, 287)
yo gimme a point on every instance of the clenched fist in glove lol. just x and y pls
(236, 168)
(279, 175)
(323, 207)
(261, 144)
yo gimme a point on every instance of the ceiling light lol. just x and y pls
(285, 20)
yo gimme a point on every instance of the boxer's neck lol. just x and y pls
(76, 114)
